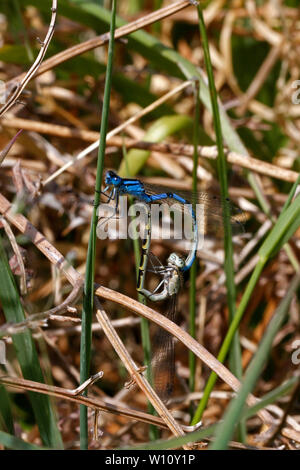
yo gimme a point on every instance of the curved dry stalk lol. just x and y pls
(186, 339)
(135, 371)
(35, 66)
(93, 403)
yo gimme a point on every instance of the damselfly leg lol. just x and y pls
(112, 196)
(171, 274)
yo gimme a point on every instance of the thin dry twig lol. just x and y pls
(135, 372)
(40, 318)
(260, 78)
(294, 397)
(7, 148)
(16, 249)
(173, 149)
(117, 129)
(93, 403)
(35, 66)
(185, 338)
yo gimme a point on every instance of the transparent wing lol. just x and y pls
(163, 362)
(154, 264)
(209, 209)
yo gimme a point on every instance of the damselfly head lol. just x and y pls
(112, 179)
(176, 260)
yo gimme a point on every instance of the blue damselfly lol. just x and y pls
(208, 221)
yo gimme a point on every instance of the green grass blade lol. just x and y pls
(285, 226)
(145, 328)
(232, 416)
(271, 397)
(193, 270)
(195, 436)
(146, 343)
(175, 442)
(158, 131)
(235, 357)
(88, 299)
(12, 442)
(27, 355)
(287, 223)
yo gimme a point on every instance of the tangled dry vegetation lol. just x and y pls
(45, 213)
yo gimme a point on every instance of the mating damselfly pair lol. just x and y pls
(213, 212)
(209, 222)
